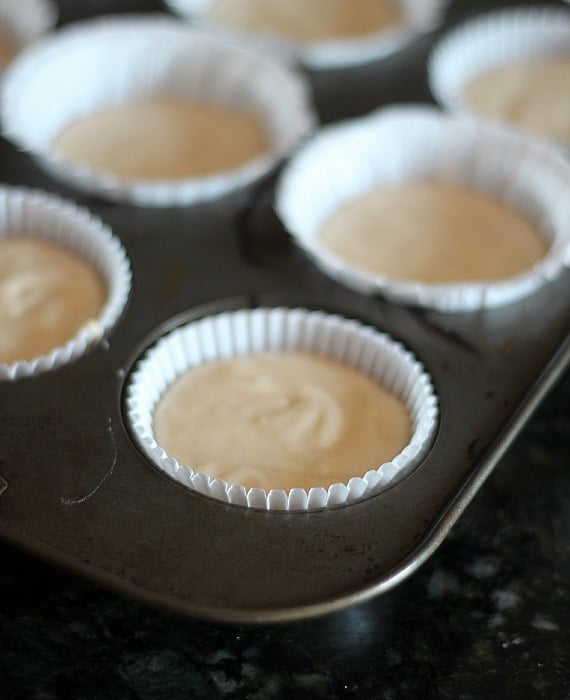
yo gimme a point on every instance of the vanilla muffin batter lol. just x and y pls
(307, 20)
(534, 96)
(47, 294)
(433, 233)
(162, 139)
(280, 420)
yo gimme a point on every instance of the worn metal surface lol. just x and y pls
(79, 492)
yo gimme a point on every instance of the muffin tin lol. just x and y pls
(76, 490)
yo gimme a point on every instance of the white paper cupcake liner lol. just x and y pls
(25, 21)
(404, 144)
(107, 62)
(252, 331)
(35, 214)
(487, 42)
(419, 16)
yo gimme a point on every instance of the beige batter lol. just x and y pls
(533, 96)
(280, 420)
(47, 295)
(308, 20)
(7, 50)
(163, 140)
(433, 233)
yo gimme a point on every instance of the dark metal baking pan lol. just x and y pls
(79, 492)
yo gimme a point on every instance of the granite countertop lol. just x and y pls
(488, 616)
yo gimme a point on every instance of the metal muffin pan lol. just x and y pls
(78, 492)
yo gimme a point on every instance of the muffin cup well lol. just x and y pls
(398, 145)
(37, 215)
(245, 332)
(107, 62)
(499, 38)
(418, 17)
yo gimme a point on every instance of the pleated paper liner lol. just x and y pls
(501, 38)
(246, 332)
(112, 61)
(404, 144)
(417, 18)
(38, 215)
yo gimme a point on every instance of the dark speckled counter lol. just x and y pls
(487, 617)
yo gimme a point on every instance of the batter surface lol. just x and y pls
(47, 295)
(433, 233)
(163, 140)
(533, 96)
(280, 420)
(308, 20)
